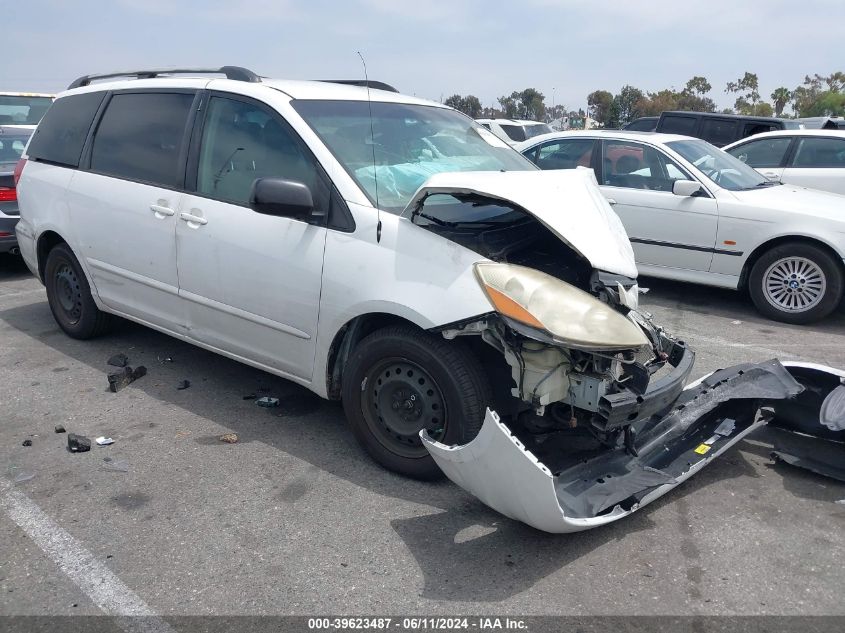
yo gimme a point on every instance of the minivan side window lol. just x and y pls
(677, 124)
(140, 137)
(820, 153)
(242, 142)
(61, 134)
(765, 152)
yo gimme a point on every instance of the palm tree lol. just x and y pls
(780, 97)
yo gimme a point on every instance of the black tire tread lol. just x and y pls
(98, 322)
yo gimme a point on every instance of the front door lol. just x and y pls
(251, 282)
(664, 229)
(767, 155)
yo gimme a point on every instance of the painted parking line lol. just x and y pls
(96, 580)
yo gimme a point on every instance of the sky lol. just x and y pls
(433, 48)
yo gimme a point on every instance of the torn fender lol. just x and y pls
(706, 420)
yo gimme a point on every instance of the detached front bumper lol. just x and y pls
(602, 486)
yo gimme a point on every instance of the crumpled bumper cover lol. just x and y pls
(706, 419)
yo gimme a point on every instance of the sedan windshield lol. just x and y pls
(720, 167)
(23, 110)
(391, 154)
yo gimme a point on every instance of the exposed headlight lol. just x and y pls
(571, 316)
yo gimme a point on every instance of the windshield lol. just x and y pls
(12, 143)
(410, 143)
(720, 167)
(20, 110)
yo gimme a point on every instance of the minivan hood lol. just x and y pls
(567, 202)
(790, 198)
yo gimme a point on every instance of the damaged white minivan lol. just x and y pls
(476, 316)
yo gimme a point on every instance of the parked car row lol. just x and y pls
(695, 213)
(475, 315)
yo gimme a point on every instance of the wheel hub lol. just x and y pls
(402, 399)
(68, 293)
(794, 284)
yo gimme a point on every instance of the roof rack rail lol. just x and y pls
(232, 72)
(364, 83)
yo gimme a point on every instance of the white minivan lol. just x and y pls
(476, 316)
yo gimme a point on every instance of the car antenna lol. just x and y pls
(373, 145)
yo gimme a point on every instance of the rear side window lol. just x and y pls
(515, 132)
(565, 154)
(719, 132)
(61, 133)
(820, 153)
(140, 137)
(766, 152)
(676, 124)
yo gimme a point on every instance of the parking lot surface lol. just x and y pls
(295, 519)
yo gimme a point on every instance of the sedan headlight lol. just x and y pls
(569, 315)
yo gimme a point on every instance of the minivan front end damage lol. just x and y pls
(590, 418)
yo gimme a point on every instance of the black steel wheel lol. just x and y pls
(401, 380)
(69, 295)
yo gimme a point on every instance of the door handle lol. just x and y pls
(611, 201)
(196, 219)
(161, 210)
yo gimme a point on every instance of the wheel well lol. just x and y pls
(760, 250)
(345, 340)
(46, 243)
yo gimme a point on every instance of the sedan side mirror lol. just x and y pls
(685, 188)
(285, 198)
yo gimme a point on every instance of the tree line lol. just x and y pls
(818, 95)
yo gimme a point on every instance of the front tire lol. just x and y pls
(399, 380)
(796, 283)
(69, 296)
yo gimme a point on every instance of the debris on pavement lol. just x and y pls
(166, 359)
(267, 401)
(115, 465)
(23, 476)
(250, 396)
(78, 443)
(59, 428)
(118, 360)
(229, 438)
(103, 441)
(120, 379)
(184, 384)
(840, 502)
(26, 443)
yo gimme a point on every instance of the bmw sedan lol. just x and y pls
(695, 213)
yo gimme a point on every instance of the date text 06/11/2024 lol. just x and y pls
(480, 623)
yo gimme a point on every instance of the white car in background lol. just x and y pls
(513, 131)
(695, 213)
(809, 158)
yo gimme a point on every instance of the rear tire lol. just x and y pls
(796, 283)
(69, 296)
(399, 380)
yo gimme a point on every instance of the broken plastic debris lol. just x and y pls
(103, 441)
(78, 443)
(166, 359)
(26, 443)
(118, 466)
(120, 379)
(60, 428)
(184, 384)
(229, 438)
(23, 476)
(118, 360)
(267, 401)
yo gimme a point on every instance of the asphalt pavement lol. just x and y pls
(295, 519)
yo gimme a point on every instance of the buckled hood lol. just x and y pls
(568, 202)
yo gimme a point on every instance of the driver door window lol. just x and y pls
(242, 142)
(636, 166)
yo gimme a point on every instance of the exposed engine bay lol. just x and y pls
(593, 420)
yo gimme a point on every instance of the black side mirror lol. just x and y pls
(285, 198)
